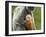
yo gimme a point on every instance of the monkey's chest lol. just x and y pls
(29, 25)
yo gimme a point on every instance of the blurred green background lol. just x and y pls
(36, 14)
(37, 17)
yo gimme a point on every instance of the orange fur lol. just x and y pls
(29, 22)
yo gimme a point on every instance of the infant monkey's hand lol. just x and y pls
(29, 22)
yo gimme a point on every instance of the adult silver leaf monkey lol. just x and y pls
(21, 12)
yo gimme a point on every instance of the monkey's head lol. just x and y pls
(28, 17)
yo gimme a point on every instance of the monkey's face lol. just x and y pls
(28, 17)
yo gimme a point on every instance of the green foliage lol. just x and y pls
(37, 17)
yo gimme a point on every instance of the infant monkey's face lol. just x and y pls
(28, 17)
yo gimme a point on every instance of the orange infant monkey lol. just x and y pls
(29, 22)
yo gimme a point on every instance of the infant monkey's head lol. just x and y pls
(28, 17)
